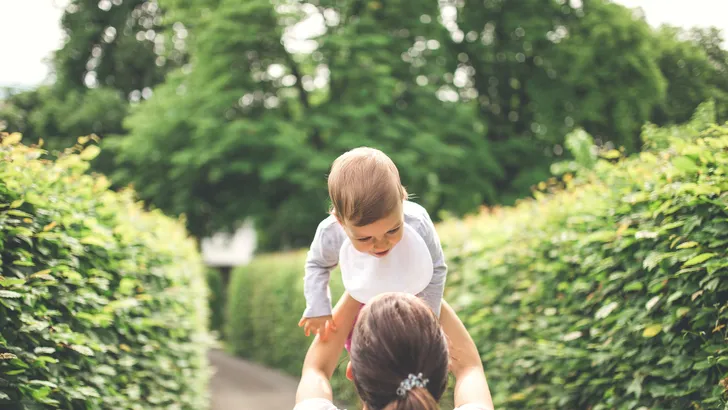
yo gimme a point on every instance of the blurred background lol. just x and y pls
(230, 112)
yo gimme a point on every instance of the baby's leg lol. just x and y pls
(347, 344)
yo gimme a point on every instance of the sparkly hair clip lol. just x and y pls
(410, 382)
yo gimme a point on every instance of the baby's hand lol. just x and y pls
(319, 325)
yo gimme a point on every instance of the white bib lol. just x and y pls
(406, 268)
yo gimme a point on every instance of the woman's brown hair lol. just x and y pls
(395, 336)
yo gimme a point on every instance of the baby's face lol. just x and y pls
(377, 238)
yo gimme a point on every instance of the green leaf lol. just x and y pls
(687, 245)
(121, 304)
(40, 393)
(8, 282)
(636, 385)
(86, 391)
(611, 154)
(43, 383)
(702, 365)
(652, 302)
(675, 296)
(90, 152)
(19, 363)
(654, 258)
(19, 213)
(712, 285)
(685, 164)
(127, 285)
(95, 241)
(699, 259)
(84, 350)
(652, 330)
(633, 286)
(9, 294)
(46, 359)
(605, 310)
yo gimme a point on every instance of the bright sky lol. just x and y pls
(31, 30)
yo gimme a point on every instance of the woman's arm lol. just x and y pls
(471, 387)
(322, 357)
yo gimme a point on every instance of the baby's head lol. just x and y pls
(367, 195)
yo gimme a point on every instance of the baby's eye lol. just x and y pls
(393, 231)
(364, 239)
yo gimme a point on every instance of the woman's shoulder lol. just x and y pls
(472, 407)
(323, 404)
(316, 404)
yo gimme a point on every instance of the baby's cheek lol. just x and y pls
(361, 247)
(395, 240)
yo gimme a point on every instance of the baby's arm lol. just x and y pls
(434, 291)
(321, 258)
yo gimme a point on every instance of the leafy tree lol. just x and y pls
(540, 68)
(251, 129)
(712, 40)
(126, 45)
(60, 118)
(243, 106)
(691, 64)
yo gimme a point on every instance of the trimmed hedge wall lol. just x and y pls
(610, 292)
(265, 303)
(216, 299)
(102, 304)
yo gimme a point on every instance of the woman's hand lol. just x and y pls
(471, 387)
(322, 356)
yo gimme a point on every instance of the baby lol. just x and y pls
(381, 240)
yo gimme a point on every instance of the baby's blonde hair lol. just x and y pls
(364, 186)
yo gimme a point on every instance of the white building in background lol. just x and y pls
(229, 250)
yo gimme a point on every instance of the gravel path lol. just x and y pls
(240, 385)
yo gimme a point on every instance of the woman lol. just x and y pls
(399, 358)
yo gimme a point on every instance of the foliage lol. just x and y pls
(712, 41)
(216, 299)
(608, 294)
(696, 69)
(123, 45)
(60, 118)
(581, 146)
(234, 110)
(467, 113)
(252, 127)
(265, 304)
(102, 304)
(541, 68)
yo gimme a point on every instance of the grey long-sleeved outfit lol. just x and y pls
(323, 256)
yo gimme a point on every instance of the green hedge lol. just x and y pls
(612, 294)
(265, 303)
(608, 293)
(102, 304)
(216, 299)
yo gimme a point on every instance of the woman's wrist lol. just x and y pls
(322, 357)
